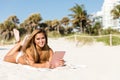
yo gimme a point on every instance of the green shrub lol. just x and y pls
(105, 40)
(115, 40)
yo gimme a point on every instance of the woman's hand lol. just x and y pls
(61, 62)
(58, 63)
(46, 65)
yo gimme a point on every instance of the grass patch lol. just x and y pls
(53, 34)
(105, 40)
(115, 41)
(80, 39)
(85, 39)
(7, 42)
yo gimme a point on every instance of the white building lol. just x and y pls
(108, 20)
(106, 16)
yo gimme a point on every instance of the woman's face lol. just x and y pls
(40, 40)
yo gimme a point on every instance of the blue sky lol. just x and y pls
(49, 9)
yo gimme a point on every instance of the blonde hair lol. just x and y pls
(30, 47)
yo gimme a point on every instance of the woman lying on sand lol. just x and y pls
(33, 51)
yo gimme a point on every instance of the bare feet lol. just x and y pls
(25, 38)
(17, 35)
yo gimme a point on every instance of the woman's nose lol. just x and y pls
(40, 40)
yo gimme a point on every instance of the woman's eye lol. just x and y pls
(43, 37)
(37, 38)
(40, 38)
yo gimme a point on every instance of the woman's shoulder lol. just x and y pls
(51, 50)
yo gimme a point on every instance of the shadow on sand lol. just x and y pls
(3, 48)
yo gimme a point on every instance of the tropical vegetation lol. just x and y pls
(76, 22)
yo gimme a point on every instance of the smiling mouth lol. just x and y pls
(41, 44)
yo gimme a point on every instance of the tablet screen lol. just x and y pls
(58, 55)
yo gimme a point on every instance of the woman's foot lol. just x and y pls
(24, 40)
(16, 35)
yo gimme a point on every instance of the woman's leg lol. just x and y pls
(11, 55)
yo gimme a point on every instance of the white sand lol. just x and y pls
(95, 62)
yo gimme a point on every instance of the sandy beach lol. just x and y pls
(90, 62)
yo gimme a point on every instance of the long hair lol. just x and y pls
(30, 47)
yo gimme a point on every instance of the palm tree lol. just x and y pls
(13, 19)
(2, 26)
(7, 27)
(34, 19)
(65, 22)
(32, 22)
(79, 16)
(8, 33)
(2, 29)
(11, 22)
(49, 25)
(116, 12)
(43, 25)
(56, 25)
(97, 28)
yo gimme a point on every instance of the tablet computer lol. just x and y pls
(57, 56)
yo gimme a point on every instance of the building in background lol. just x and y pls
(105, 17)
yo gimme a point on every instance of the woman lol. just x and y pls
(33, 51)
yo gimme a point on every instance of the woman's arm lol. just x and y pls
(41, 65)
(30, 61)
